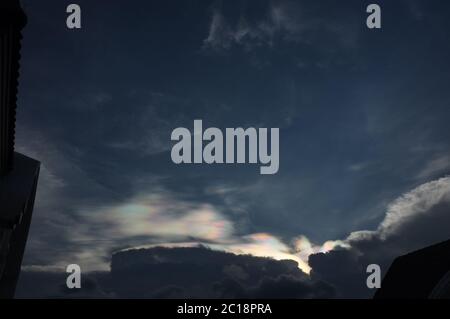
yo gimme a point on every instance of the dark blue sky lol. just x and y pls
(363, 117)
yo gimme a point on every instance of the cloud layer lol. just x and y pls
(230, 267)
(416, 220)
(194, 272)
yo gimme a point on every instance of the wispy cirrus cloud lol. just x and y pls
(438, 165)
(279, 22)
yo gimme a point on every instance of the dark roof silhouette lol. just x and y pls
(18, 173)
(422, 274)
(12, 20)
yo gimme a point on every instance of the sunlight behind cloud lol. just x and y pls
(175, 223)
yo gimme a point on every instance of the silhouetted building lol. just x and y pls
(419, 275)
(18, 173)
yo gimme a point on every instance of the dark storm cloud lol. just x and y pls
(183, 273)
(416, 220)
(52, 284)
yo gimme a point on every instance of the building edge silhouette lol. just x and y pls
(421, 274)
(18, 173)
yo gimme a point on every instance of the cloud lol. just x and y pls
(264, 245)
(276, 22)
(220, 35)
(156, 218)
(438, 165)
(417, 219)
(414, 205)
(279, 22)
(172, 222)
(288, 286)
(52, 284)
(162, 215)
(194, 272)
(359, 167)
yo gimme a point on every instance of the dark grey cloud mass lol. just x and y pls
(183, 273)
